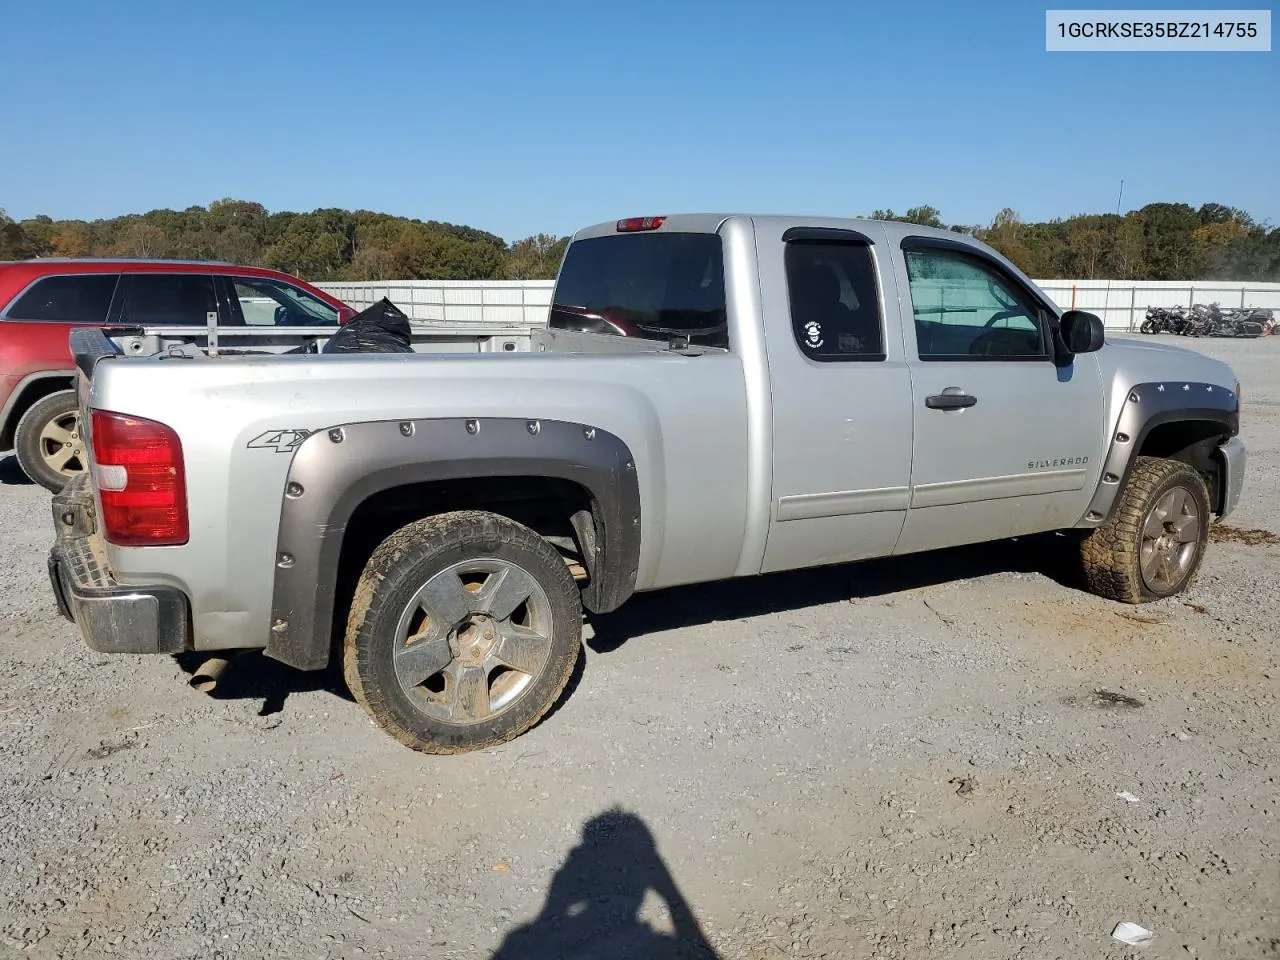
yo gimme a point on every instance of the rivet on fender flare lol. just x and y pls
(406, 429)
(473, 427)
(589, 433)
(533, 427)
(336, 435)
(293, 490)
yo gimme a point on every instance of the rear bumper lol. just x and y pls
(112, 617)
(1233, 463)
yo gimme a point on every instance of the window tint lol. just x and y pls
(84, 298)
(835, 310)
(965, 308)
(168, 299)
(266, 302)
(648, 285)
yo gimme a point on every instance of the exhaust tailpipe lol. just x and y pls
(205, 679)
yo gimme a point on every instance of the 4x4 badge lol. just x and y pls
(281, 441)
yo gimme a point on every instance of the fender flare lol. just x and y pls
(336, 469)
(1147, 406)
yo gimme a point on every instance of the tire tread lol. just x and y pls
(1110, 554)
(414, 543)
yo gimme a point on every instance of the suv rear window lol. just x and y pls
(79, 298)
(653, 286)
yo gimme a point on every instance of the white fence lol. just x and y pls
(1121, 304)
(520, 302)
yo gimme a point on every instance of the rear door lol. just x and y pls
(841, 394)
(1005, 441)
(160, 301)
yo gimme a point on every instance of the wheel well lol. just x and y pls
(559, 510)
(1194, 442)
(33, 392)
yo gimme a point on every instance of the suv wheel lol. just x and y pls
(48, 442)
(1152, 546)
(464, 630)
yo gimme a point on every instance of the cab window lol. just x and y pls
(967, 309)
(835, 307)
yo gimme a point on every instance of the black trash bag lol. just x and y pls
(382, 328)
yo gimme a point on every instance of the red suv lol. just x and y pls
(41, 300)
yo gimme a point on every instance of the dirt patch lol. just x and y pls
(1221, 533)
(1105, 700)
(1141, 618)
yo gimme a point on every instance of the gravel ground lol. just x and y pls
(919, 758)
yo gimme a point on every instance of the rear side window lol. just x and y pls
(654, 286)
(81, 298)
(168, 299)
(835, 308)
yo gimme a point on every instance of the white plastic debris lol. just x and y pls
(1133, 934)
(1127, 797)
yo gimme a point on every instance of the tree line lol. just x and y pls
(1161, 241)
(326, 244)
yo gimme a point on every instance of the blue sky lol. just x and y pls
(521, 117)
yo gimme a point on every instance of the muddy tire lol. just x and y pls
(464, 630)
(48, 441)
(1153, 544)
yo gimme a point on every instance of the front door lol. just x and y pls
(1006, 442)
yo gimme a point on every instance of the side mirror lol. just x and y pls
(1082, 331)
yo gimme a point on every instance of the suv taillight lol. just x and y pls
(138, 470)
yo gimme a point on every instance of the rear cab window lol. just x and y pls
(74, 298)
(651, 286)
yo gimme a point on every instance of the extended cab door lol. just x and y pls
(841, 394)
(1005, 441)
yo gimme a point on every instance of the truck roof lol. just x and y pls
(711, 222)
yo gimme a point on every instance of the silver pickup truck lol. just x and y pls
(713, 397)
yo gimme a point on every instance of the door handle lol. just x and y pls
(952, 398)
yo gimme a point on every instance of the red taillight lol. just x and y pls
(140, 477)
(633, 224)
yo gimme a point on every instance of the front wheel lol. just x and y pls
(464, 630)
(1153, 544)
(49, 443)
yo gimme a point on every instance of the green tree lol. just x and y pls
(15, 244)
(925, 216)
(1170, 249)
(536, 258)
(141, 239)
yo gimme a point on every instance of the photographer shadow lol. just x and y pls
(595, 904)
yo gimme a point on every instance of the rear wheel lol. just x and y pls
(464, 630)
(1154, 542)
(48, 442)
